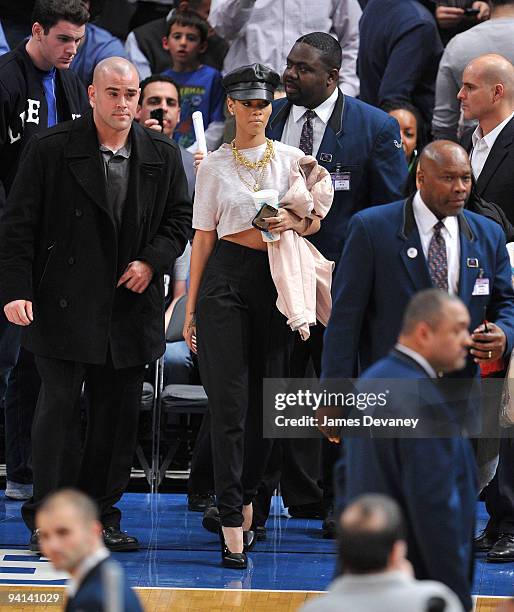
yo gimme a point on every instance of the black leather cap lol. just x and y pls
(254, 82)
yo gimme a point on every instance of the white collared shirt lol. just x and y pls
(425, 220)
(83, 569)
(294, 124)
(482, 145)
(419, 359)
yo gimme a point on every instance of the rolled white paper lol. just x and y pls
(199, 132)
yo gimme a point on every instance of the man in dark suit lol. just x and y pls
(428, 240)
(487, 94)
(399, 54)
(361, 147)
(97, 214)
(395, 250)
(433, 479)
(70, 534)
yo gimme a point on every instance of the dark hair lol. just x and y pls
(329, 48)
(369, 528)
(426, 306)
(392, 105)
(422, 138)
(189, 19)
(95, 8)
(157, 78)
(49, 12)
(500, 2)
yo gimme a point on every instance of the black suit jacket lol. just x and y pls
(496, 181)
(60, 247)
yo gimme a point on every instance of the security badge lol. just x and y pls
(481, 284)
(340, 180)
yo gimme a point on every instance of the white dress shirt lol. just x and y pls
(264, 31)
(84, 568)
(294, 124)
(482, 145)
(425, 220)
(419, 359)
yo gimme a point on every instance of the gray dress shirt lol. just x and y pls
(117, 174)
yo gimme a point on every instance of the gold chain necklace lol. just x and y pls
(260, 165)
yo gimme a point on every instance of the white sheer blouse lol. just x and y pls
(222, 201)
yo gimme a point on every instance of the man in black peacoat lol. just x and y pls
(82, 270)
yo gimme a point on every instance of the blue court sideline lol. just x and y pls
(177, 552)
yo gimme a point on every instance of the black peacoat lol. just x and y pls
(60, 247)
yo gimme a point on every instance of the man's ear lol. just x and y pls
(423, 333)
(420, 177)
(37, 30)
(165, 43)
(137, 116)
(91, 92)
(333, 77)
(498, 92)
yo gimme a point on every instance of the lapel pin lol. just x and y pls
(325, 157)
(412, 252)
(397, 144)
(472, 262)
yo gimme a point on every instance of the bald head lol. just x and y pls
(83, 507)
(444, 178)
(487, 91)
(442, 153)
(117, 66)
(493, 69)
(68, 529)
(114, 95)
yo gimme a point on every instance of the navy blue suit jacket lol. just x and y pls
(433, 480)
(399, 54)
(90, 596)
(361, 140)
(376, 279)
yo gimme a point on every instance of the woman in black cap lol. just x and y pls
(242, 337)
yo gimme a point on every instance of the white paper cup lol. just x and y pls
(270, 197)
(265, 196)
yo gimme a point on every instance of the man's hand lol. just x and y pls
(488, 346)
(137, 276)
(484, 8)
(324, 414)
(19, 312)
(153, 124)
(449, 16)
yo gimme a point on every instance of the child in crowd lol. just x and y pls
(200, 85)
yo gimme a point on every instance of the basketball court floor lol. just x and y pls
(178, 566)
